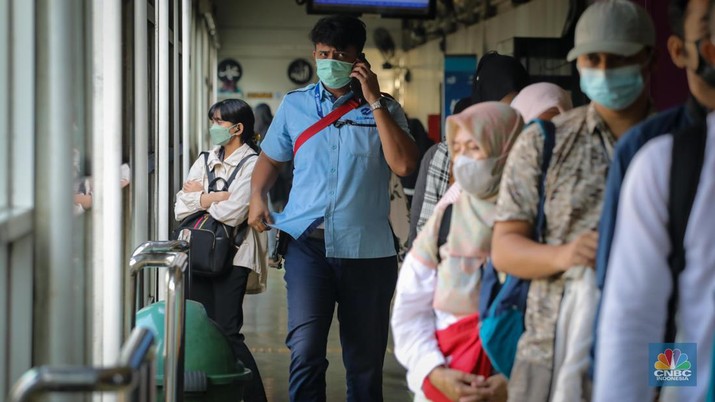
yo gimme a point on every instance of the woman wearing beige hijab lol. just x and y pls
(435, 314)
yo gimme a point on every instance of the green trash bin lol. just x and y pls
(211, 372)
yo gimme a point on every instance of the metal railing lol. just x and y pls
(181, 245)
(173, 256)
(133, 374)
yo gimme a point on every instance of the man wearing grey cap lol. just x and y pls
(613, 50)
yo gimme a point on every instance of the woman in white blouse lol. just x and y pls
(232, 135)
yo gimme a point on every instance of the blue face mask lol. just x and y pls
(333, 73)
(614, 88)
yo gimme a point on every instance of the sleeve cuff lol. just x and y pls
(277, 155)
(193, 200)
(425, 365)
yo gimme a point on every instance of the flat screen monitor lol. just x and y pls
(386, 8)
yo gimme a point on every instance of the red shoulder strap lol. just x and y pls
(324, 122)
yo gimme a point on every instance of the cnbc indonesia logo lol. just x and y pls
(674, 364)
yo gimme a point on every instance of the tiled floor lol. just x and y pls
(265, 330)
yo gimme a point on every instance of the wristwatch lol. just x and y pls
(378, 104)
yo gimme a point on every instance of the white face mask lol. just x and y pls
(475, 175)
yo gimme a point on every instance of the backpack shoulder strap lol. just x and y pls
(209, 173)
(687, 161)
(238, 167)
(548, 131)
(443, 231)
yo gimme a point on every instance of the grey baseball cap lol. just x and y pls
(613, 26)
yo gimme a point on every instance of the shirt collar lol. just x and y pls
(595, 123)
(324, 94)
(231, 160)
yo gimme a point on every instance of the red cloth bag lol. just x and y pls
(461, 344)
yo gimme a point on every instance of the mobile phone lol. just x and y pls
(355, 85)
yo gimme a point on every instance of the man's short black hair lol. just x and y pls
(339, 31)
(676, 17)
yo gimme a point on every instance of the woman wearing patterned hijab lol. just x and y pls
(435, 315)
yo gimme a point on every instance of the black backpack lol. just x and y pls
(213, 243)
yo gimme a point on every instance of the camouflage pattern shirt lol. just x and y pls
(575, 184)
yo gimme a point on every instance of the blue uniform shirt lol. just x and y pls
(340, 174)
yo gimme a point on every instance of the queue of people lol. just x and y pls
(556, 199)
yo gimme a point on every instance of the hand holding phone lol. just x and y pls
(364, 80)
(355, 85)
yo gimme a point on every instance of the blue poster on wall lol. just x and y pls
(458, 75)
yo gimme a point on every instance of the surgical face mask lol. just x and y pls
(220, 135)
(614, 88)
(475, 175)
(333, 73)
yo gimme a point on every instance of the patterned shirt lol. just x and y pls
(575, 184)
(437, 182)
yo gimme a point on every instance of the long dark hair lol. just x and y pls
(237, 111)
(264, 117)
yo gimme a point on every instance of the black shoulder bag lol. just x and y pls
(213, 243)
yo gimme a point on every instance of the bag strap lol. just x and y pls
(209, 173)
(238, 167)
(687, 161)
(213, 181)
(337, 113)
(548, 131)
(443, 231)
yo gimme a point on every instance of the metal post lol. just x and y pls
(199, 75)
(140, 168)
(186, 99)
(175, 330)
(59, 308)
(162, 97)
(107, 208)
(176, 103)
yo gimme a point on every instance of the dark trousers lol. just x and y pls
(363, 289)
(222, 298)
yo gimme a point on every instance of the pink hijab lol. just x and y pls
(537, 98)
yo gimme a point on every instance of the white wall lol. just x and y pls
(538, 18)
(265, 36)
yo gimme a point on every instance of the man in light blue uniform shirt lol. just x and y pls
(341, 248)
